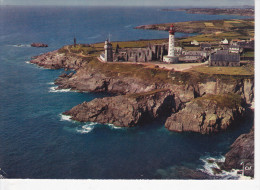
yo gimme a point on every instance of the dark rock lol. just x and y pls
(56, 60)
(39, 45)
(204, 116)
(126, 110)
(210, 161)
(242, 150)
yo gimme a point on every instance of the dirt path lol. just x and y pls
(177, 67)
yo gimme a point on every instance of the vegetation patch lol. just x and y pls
(144, 94)
(244, 70)
(229, 100)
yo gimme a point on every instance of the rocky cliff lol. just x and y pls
(56, 60)
(242, 150)
(188, 92)
(127, 110)
(209, 114)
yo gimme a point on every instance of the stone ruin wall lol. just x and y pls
(151, 53)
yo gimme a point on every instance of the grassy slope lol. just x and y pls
(229, 100)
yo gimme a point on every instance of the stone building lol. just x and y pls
(225, 59)
(151, 53)
(193, 56)
(234, 49)
(205, 46)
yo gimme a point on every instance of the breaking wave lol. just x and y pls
(21, 45)
(65, 118)
(87, 128)
(111, 126)
(55, 89)
(211, 164)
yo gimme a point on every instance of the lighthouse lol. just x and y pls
(108, 51)
(171, 58)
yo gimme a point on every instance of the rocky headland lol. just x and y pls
(55, 60)
(185, 101)
(187, 92)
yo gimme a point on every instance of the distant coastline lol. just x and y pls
(218, 11)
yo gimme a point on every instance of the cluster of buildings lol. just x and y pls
(223, 54)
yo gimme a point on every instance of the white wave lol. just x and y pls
(28, 62)
(86, 128)
(50, 83)
(21, 45)
(55, 89)
(94, 37)
(65, 118)
(128, 26)
(211, 162)
(114, 127)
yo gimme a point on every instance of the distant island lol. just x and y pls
(218, 11)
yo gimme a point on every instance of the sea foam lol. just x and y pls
(232, 174)
(87, 128)
(55, 89)
(207, 167)
(115, 127)
(65, 118)
(21, 45)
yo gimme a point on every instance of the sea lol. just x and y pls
(38, 142)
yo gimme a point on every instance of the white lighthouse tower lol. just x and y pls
(171, 58)
(108, 51)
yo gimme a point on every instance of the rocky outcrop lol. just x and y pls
(208, 114)
(92, 81)
(127, 110)
(56, 60)
(39, 45)
(243, 87)
(242, 150)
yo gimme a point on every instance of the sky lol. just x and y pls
(130, 2)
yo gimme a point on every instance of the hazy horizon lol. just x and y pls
(161, 3)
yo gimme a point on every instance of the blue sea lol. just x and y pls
(37, 142)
